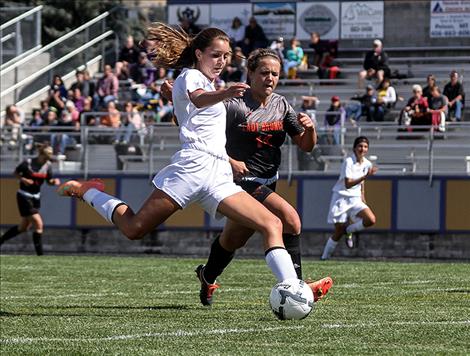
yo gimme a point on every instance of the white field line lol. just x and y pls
(81, 295)
(183, 333)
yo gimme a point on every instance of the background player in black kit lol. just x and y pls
(32, 173)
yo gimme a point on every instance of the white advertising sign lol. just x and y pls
(222, 15)
(362, 19)
(197, 13)
(321, 17)
(450, 18)
(277, 19)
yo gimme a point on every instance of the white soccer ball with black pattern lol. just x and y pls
(291, 299)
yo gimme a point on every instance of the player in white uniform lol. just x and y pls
(200, 172)
(348, 210)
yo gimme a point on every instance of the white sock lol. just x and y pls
(329, 248)
(357, 226)
(280, 263)
(103, 203)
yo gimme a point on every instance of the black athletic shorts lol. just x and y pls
(27, 205)
(257, 190)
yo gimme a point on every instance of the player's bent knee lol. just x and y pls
(369, 221)
(135, 232)
(292, 224)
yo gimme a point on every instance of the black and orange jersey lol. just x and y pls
(38, 172)
(255, 133)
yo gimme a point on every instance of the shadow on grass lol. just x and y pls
(104, 307)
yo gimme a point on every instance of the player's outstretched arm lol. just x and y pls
(202, 98)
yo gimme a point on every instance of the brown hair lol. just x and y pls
(257, 55)
(170, 47)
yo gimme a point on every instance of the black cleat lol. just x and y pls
(207, 290)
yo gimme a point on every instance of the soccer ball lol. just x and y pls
(291, 299)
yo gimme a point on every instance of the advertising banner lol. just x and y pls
(277, 19)
(362, 19)
(197, 14)
(450, 18)
(321, 17)
(222, 15)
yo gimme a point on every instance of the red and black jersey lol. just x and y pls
(38, 172)
(255, 133)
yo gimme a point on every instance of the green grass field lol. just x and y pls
(135, 306)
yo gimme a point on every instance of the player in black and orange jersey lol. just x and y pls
(32, 173)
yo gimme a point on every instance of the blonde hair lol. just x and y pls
(170, 47)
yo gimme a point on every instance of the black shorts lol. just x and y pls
(257, 190)
(27, 206)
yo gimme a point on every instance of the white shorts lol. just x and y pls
(342, 208)
(197, 177)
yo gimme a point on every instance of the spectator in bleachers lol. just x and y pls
(122, 71)
(143, 72)
(236, 70)
(386, 99)
(236, 33)
(430, 83)
(320, 50)
(278, 46)
(438, 109)
(335, 118)
(130, 122)
(107, 90)
(44, 109)
(363, 105)
(85, 117)
(113, 118)
(14, 119)
(415, 110)
(375, 64)
(78, 99)
(81, 83)
(89, 87)
(254, 37)
(37, 119)
(130, 52)
(69, 118)
(293, 60)
(57, 93)
(454, 92)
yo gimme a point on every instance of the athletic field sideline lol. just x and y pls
(138, 306)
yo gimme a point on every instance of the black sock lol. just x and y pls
(37, 243)
(219, 258)
(292, 244)
(12, 232)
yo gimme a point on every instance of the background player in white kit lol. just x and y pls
(348, 209)
(200, 172)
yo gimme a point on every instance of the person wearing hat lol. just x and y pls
(375, 64)
(334, 119)
(32, 173)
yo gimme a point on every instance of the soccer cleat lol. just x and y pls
(207, 289)
(320, 288)
(349, 240)
(73, 188)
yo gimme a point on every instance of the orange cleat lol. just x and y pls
(207, 290)
(320, 288)
(74, 188)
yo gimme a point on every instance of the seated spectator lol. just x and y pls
(437, 109)
(375, 64)
(278, 46)
(113, 118)
(122, 71)
(415, 110)
(320, 50)
(107, 90)
(57, 93)
(386, 99)
(69, 119)
(236, 70)
(130, 121)
(14, 119)
(81, 83)
(44, 109)
(86, 118)
(89, 88)
(78, 99)
(294, 57)
(254, 37)
(130, 52)
(455, 94)
(37, 119)
(430, 83)
(364, 107)
(143, 72)
(236, 33)
(334, 121)
(309, 106)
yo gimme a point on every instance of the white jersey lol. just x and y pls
(200, 128)
(352, 169)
